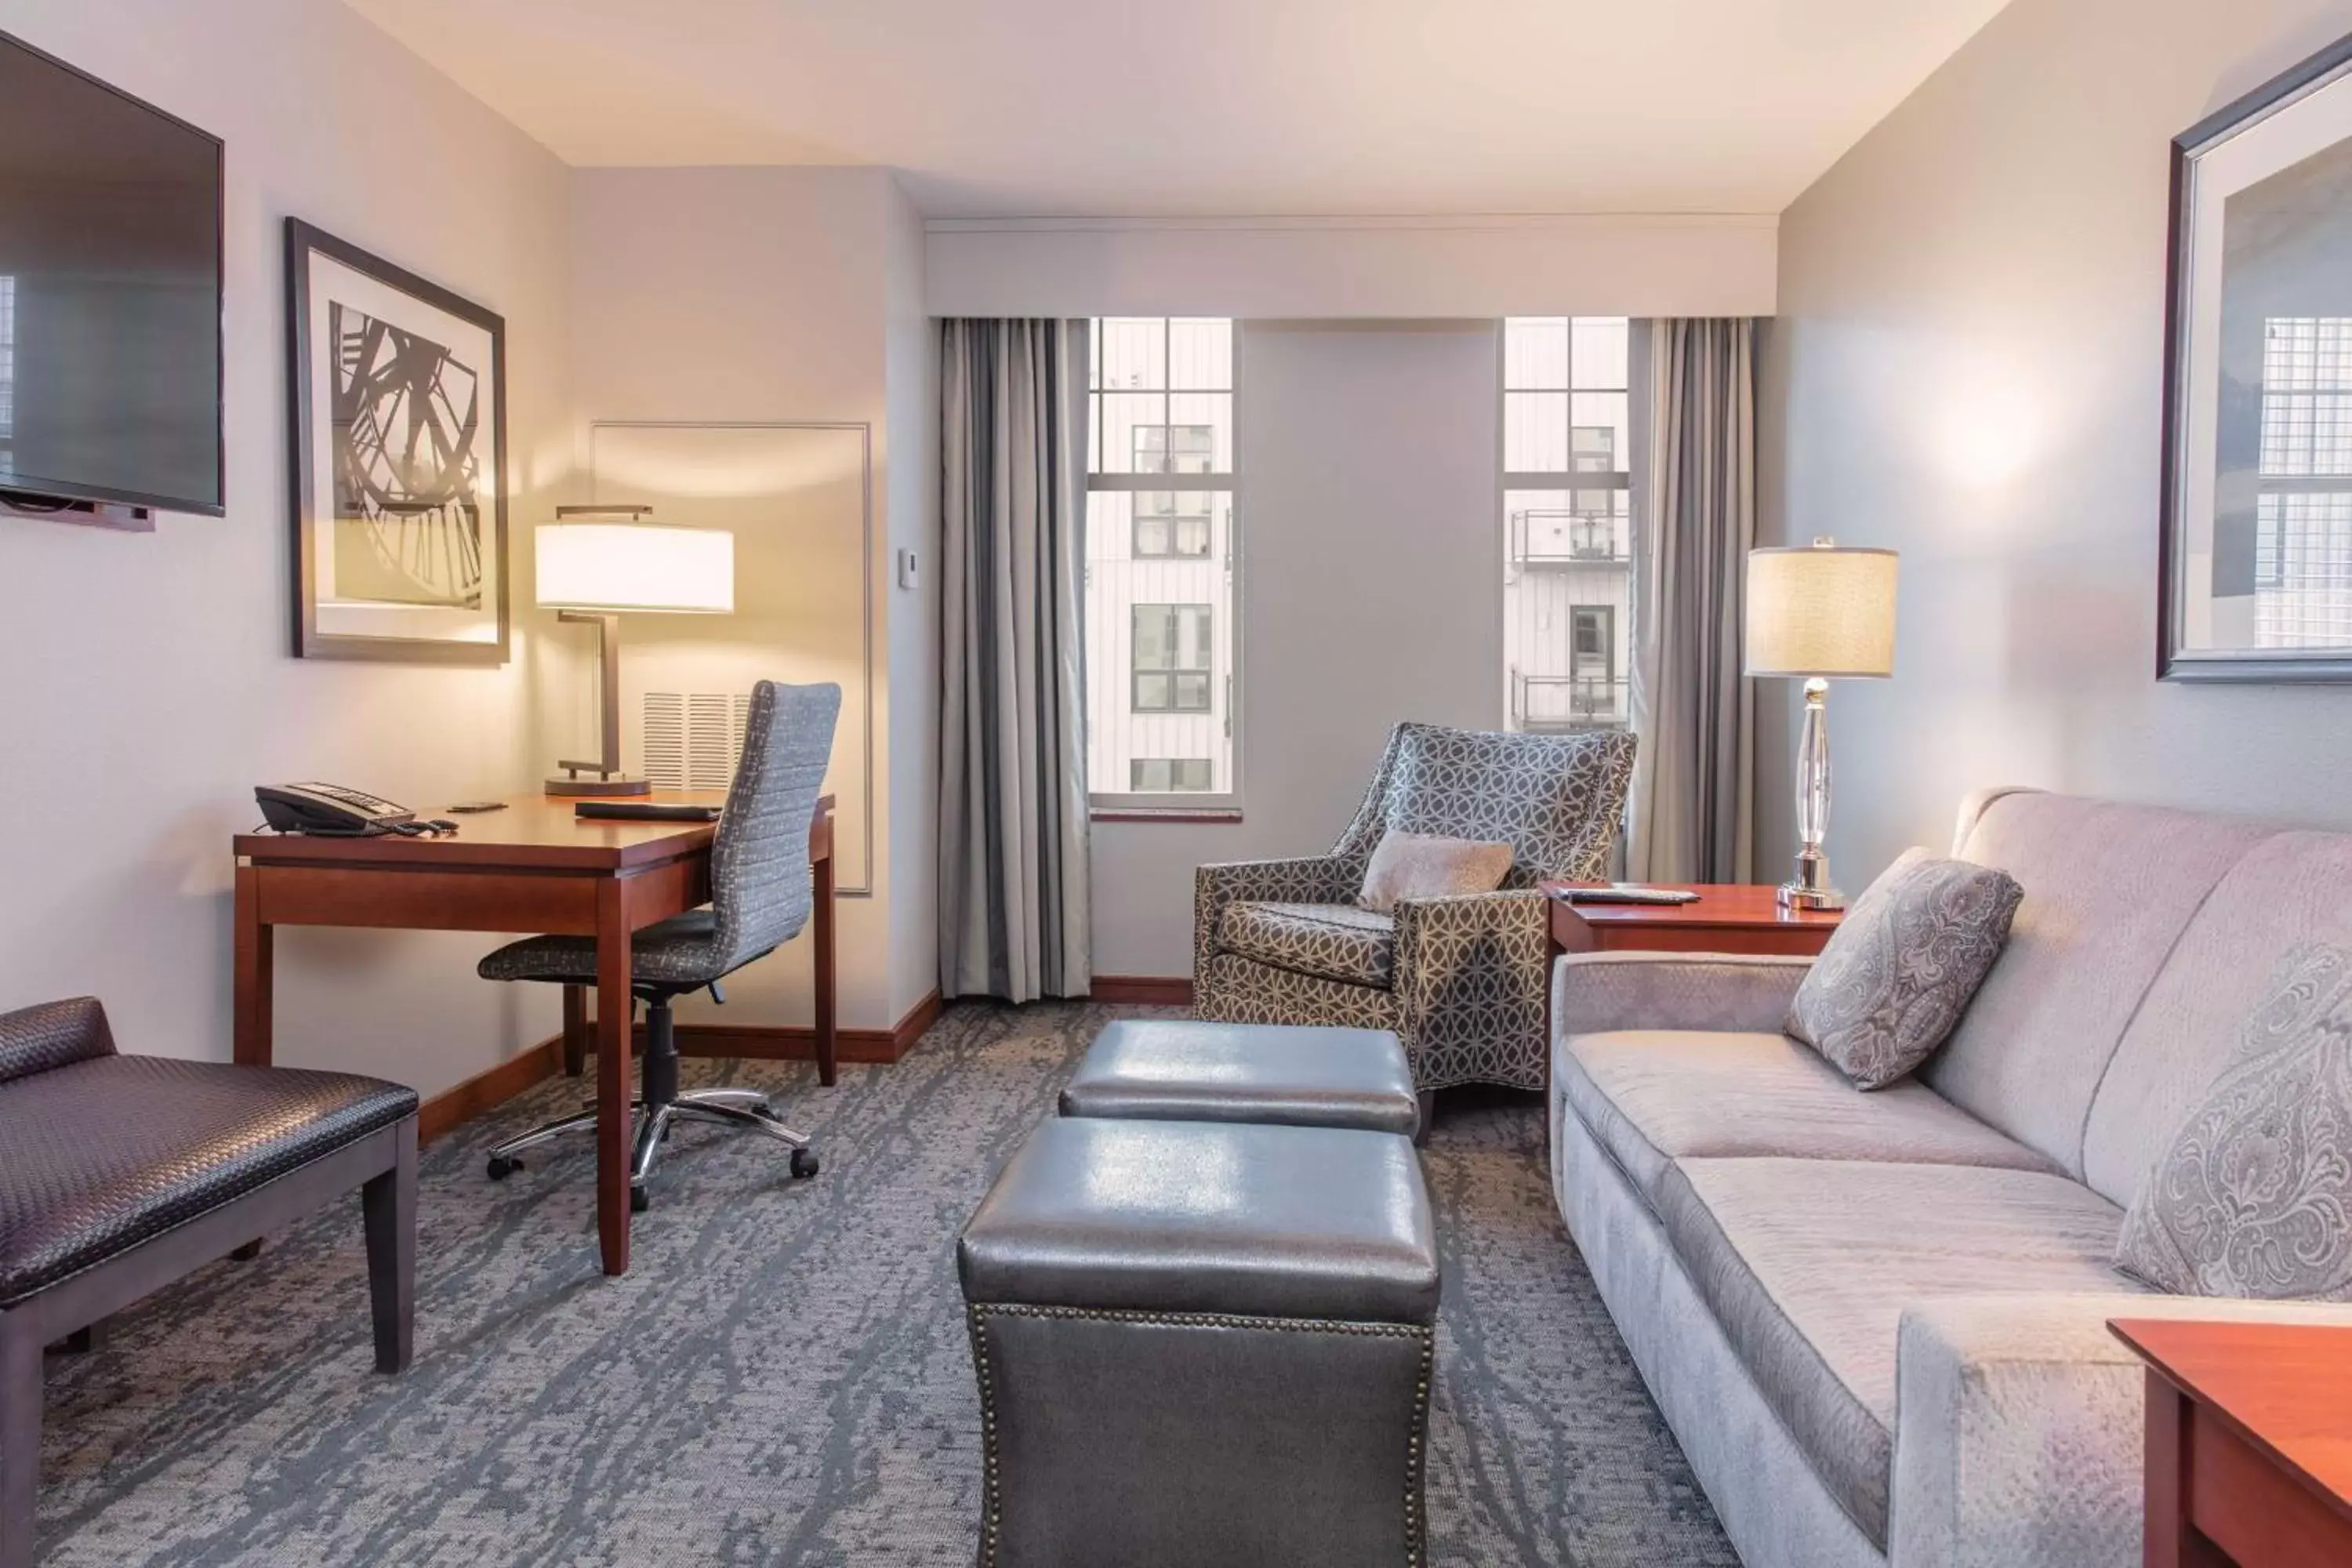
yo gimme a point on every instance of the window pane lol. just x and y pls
(1154, 638)
(1193, 773)
(1600, 352)
(1535, 432)
(1132, 423)
(1604, 436)
(1152, 692)
(1134, 352)
(1202, 439)
(1201, 353)
(1535, 352)
(1566, 597)
(1192, 693)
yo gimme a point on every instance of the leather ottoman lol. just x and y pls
(1203, 1342)
(1178, 1070)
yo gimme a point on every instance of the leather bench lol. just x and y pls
(122, 1174)
(1203, 1342)
(1180, 1069)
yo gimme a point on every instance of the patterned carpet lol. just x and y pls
(784, 1378)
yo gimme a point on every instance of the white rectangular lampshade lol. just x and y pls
(1820, 610)
(636, 566)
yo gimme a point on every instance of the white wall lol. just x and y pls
(1359, 269)
(144, 680)
(1968, 369)
(1371, 592)
(779, 295)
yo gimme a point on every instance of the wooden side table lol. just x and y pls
(2249, 1443)
(1727, 918)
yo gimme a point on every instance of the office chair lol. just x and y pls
(760, 898)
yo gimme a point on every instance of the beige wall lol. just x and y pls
(757, 295)
(1968, 369)
(1371, 592)
(144, 682)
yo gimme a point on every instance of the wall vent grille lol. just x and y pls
(694, 740)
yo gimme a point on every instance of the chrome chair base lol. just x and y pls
(742, 1109)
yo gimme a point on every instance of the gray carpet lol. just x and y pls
(784, 1377)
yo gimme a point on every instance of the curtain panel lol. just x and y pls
(1014, 919)
(1691, 815)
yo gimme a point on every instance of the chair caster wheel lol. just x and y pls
(502, 1166)
(639, 1200)
(804, 1163)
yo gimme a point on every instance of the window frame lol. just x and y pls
(1187, 806)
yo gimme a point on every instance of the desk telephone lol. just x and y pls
(334, 812)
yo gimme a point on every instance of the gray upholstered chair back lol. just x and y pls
(53, 1034)
(1556, 799)
(760, 893)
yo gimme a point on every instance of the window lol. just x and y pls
(1167, 775)
(1161, 667)
(1173, 661)
(1568, 523)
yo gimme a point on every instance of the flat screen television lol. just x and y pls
(110, 294)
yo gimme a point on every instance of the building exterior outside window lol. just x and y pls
(1162, 675)
(2302, 522)
(1567, 521)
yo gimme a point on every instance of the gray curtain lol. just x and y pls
(1012, 758)
(1691, 816)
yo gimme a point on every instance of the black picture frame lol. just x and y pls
(305, 408)
(2174, 661)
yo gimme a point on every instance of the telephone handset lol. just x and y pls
(331, 810)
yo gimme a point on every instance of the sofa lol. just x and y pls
(1876, 1323)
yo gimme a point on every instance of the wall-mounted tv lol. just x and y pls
(110, 294)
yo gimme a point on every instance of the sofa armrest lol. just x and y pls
(2020, 1423)
(1316, 880)
(1597, 993)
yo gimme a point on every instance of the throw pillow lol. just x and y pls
(1900, 970)
(1426, 865)
(2253, 1198)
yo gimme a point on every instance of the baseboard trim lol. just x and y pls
(1143, 990)
(486, 1091)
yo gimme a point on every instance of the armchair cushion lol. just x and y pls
(1430, 866)
(1335, 941)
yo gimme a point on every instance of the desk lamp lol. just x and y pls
(1819, 612)
(597, 562)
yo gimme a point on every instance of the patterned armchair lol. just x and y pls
(1461, 980)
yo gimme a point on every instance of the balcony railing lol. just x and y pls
(1571, 702)
(1552, 538)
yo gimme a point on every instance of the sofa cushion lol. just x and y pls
(2108, 890)
(1808, 1265)
(1653, 1097)
(2289, 891)
(1334, 942)
(1898, 973)
(2251, 1198)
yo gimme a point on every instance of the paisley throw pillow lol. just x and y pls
(2253, 1198)
(1900, 970)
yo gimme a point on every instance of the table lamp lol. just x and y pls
(1819, 612)
(596, 562)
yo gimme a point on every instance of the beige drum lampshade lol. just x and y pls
(1820, 610)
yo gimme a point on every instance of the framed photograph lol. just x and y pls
(397, 428)
(2256, 557)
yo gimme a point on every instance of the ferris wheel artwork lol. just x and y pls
(398, 435)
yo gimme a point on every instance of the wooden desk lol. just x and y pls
(2249, 1443)
(531, 867)
(1727, 918)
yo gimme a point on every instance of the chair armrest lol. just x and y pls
(1470, 972)
(1317, 879)
(1597, 993)
(2020, 1426)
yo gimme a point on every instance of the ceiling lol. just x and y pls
(1222, 108)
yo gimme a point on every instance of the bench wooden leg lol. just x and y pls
(388, 1204)
(20, 1438)
(83, 1341)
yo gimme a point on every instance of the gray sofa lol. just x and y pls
(1876, 1323)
